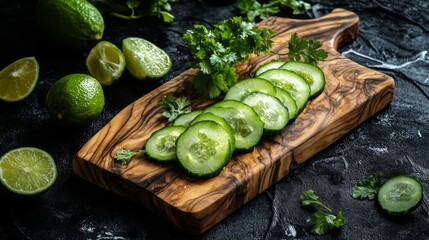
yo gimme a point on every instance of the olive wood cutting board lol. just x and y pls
(353, 93)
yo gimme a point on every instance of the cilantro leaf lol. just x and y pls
(305, 49)
(172, 107)
(253, 9)
(322, 222)
(216, 52)
(309, 197)
(368, 188)
(124, 156)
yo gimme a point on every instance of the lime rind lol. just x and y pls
(27, 170)
(145, 59)
(18, 79)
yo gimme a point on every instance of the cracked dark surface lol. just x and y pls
(393, 38)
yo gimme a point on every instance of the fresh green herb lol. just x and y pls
(321, 222)
(173, 107)
(308, 50)
(253, 9)
(124, 156)
(134, 9)
(368, 188)
(217, 51)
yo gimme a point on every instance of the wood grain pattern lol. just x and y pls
(353, 94)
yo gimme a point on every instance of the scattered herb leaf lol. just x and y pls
(253, 9)
(217, 50)
(321, 222)
(173, 107)
(124, 156)
(368, 188)
(307, 50)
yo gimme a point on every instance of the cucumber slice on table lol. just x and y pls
(161, 145)
(291, 82)
(186, 118)
(203, 149)
(268, 66)
(245, 123)
(244, 87)
(400, 195)
(312, 74)
(271, 111)
(219, 120)
(288, 102)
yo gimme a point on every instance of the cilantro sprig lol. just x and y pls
(124, 156)
(217, 51)
(321, 222)
(253, 9)
(306, 50)
(173, 107)
(368, 188)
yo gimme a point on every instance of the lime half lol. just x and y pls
(18, 79)
(105, 62)
(27, 170)
(144, 59)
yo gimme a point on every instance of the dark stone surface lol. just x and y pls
(393, 38)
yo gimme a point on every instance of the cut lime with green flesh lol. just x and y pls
(105, 62)
(27, 170)
(18, 79)
(144, 59)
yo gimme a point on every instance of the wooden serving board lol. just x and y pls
(353, 94)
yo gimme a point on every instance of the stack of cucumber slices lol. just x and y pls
(203, 141)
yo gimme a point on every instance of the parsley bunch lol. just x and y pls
(308, 50)
(252, 9)
(217, 50)
(321, 222)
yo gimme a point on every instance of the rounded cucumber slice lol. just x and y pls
(268, 66)
(245, 123)
(291, 82)
(312, 74)
(203, 149)
(219, 120)
(400, 195)
(271, 111)
(244, 87)
(288, 102)
(161, 145)
(186, 118)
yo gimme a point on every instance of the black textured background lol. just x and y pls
(393, 38)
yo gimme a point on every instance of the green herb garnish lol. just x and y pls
(124, 156)
(217, 51)
(306, 50)
(173, 107)
(368, 188)
(321, 222)
(252, 9)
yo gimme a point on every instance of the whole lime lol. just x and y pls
(75, 100)
(74, 24)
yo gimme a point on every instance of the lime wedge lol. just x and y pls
(27, 170)
(18, 79)
(105, 62)
(144, 59)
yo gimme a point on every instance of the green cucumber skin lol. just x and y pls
(394, 212)
(187, 118)
(276, 64)
(308, 72)
(153, 156)
(249, 85)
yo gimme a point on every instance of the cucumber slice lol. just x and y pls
(245, 123)
(271, 111)
(400, 195)
(219, 120)
(288, 102)
(186, 118)
(161, 145)
(268, 66)
(312, 74)
(291, 82)
(244, 87)
(203, 149)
